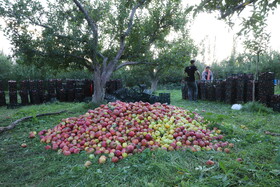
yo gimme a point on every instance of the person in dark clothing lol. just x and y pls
(190, 72)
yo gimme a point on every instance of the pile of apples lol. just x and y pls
(120, 129)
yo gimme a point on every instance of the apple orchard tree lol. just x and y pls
(93, 34)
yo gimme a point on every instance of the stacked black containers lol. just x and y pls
(88, 87)
(33, 91)
(61, 91)
(185, 91)
(113, 85)
(203, 90)
(2, 94)
(251, 90)
(79, 91)
(240, 88)
(164, 98)
(13, 93)
(248, 87)
(24, 92)
(70, 87)
(210, 91)
(41, 91)
(52, 89)
(230, 92)
(275, 102)
(266, 87)
(220, 90)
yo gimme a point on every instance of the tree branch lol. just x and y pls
(236, 8)
(129, 63)
(127, 32)
(62, 55)
(38, 23)
(15, 123)
(92, 24)
(90, 21)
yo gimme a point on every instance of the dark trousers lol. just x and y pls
(192, 91)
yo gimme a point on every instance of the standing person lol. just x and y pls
(191, 83)
(207, 74)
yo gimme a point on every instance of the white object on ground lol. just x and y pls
(236, 107)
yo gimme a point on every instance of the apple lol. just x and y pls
(129, 148)
(87, 163)
(47, 147)
(115, 159)
(118, 153)
(66, 153)
(102, 159)
(24, 145)
(210, 162)
(239, 159)
(144, 142)
(131, 134)
(227, 150)
(188, 142)
(148, 137)
(32, 134)
(178, 143)
(124, 155)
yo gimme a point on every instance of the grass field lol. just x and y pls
(35, 166)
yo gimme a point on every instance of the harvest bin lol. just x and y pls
(266, 87)
(184, 91)
(164, 98)
(2, 98)
(12, 93)
(275, 102)
(24, 97)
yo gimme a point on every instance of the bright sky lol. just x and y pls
(220, 38)
(207, 31)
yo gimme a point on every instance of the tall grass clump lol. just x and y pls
(256, 107)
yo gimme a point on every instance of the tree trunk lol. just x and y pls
(154, 82)
(99, 87)
(101, 75)
(98, 91)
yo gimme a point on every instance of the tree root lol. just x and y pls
(15, 123)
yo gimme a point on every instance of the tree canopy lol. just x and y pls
(228, 8)
(101, 36)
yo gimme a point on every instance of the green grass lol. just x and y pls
(35, 166)
(277, 89)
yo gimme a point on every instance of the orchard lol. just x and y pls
(118, 129)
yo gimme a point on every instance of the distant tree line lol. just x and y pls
(135, 75)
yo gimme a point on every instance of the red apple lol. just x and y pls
(66, 153)
(32, 134)
(148, 137)
(47, 147)
(210, 162)
(239, 159)
(227, 150)
(24, 145)
(131, 134)
(115, 159)
(129, 148)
